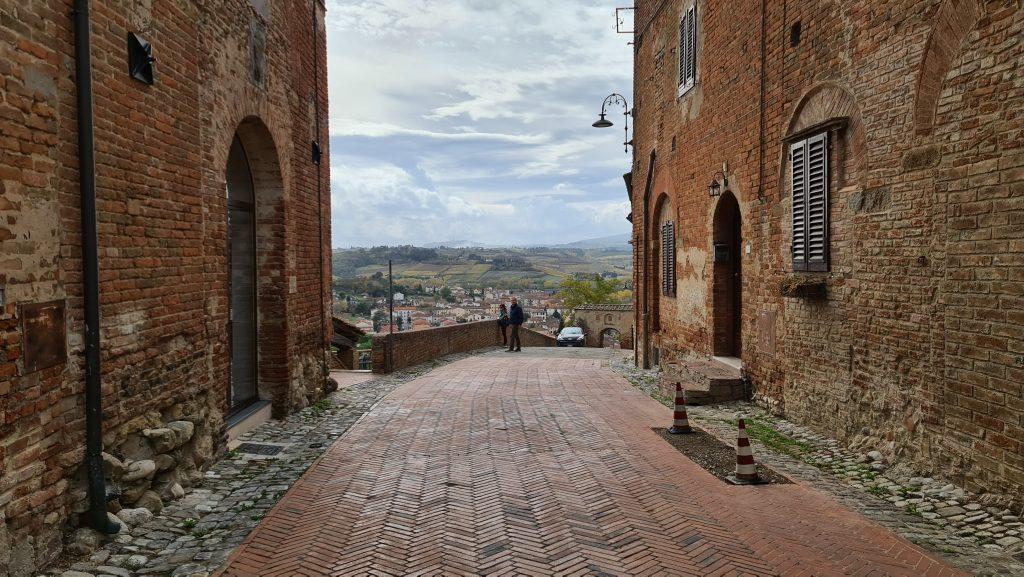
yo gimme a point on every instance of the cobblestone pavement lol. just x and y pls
(544, 463)
(933, 513)
(193, 536)
(346, 379)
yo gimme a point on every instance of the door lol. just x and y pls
(242, 254)
(728, 279)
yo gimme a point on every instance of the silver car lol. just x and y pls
(571, 337)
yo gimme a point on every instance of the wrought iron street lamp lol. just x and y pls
(603, 122)
(715, 189)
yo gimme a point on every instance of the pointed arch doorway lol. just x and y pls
(242, 257)
(727, 290)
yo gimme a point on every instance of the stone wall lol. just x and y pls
(415, 347)
(913, 340)
(223, 68)
(597, 319)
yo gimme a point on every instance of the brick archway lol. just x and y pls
(952, 23)
(833, 106)
(271, 263)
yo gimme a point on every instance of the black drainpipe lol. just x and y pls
(319, 192)
(90, 276)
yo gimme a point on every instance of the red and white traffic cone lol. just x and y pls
(746, 470)
(680, 422)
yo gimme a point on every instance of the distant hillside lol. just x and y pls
(613, 241)
(616, 241)
(512, 268)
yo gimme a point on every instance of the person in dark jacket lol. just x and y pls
(515, 318)
(503, 323)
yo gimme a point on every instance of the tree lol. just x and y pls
(589, 290)
(446, 294)
(398, 323)
(378, 319)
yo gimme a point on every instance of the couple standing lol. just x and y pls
(512, 317)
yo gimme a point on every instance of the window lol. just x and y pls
(810, 176)
(668, 259)
(688, 50)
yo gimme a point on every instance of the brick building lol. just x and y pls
(863, 254)
(212, 219)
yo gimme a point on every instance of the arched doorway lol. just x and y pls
(242, 258)
(727, 292)
(611, 339)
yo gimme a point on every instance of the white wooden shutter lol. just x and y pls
(687, 49)
(810, 203)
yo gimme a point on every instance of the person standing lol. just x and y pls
(503, 323)
(515, 318)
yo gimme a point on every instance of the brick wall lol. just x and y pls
(222, 68)
(917, 346)
(415, 347)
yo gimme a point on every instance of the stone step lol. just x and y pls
(706, 380)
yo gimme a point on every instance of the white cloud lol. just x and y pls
(351, 127)
(471, 119)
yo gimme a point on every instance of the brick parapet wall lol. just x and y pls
(416, 347)
(916, 348)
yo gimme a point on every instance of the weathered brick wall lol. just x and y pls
(161, 154)
(917, 347)
(414, 347)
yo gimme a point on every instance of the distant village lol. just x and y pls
(445, 306)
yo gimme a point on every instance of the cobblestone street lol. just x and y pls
(545, 464)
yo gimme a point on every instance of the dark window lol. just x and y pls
(810, 203)
(668, 259)
(794, 34)
(688, 50)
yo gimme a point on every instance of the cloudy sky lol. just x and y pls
(470, 120)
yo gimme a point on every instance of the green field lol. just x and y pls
(502, 268)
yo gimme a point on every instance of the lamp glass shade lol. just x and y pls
(714, 189)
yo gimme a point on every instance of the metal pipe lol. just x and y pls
(320, 192)
(90, 275)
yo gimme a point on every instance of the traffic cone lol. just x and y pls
(746, 470)
(680, 422)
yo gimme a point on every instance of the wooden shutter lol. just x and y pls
(810, 176)
(687, 49)
(798, 157)
(668, 259)
(817, 202)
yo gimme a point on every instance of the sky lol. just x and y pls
(471, 120)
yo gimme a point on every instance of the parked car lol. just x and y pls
(571, 337)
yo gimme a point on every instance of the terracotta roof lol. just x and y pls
(608, 307)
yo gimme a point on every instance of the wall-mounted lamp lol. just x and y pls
(140, 59)
(715, 189)
(603, 122)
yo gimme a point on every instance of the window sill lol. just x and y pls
(683, 89)
(806, 286)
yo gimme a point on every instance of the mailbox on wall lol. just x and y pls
(723, 253)
(45, 335)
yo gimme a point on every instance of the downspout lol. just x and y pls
(317, 158)
(90, 276)
(646, 314)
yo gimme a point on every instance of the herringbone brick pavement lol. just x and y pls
(538, 465)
